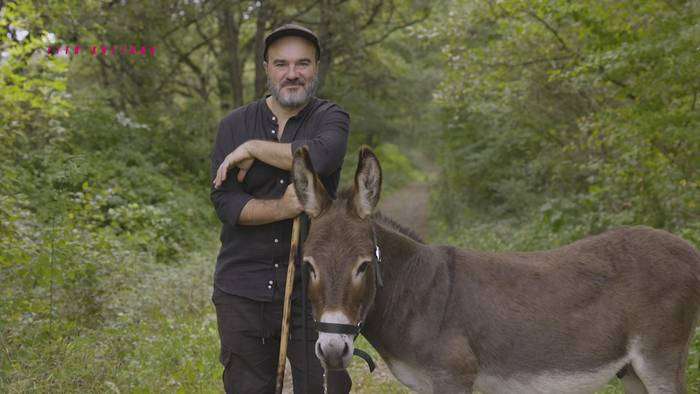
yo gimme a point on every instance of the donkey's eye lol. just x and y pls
(362, 268)
(310, 268)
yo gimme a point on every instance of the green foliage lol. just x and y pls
(397, 168)
(32, 85)
(388, 92)
(159, 333)
(84, 217)
(585, 110)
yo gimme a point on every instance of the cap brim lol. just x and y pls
(274, 36)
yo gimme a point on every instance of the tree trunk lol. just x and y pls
(231, 67)
(260, 27)
(326, 37)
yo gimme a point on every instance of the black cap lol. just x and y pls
(291, 29)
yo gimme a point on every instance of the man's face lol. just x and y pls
(291, 69)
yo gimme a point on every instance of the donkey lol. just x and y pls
(449, 320)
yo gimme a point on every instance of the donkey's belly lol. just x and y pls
(550, 382)
(411, 376)
(554, 382)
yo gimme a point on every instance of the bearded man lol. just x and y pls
(255, 201)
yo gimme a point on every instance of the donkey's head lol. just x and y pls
(339, 251)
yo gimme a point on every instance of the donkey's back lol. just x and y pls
(567, 320)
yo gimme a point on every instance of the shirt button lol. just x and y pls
(273, 118)
(270, 282)
(281, 180)
(273, 131)
(277, 265)
(276, 240)
(269, 287)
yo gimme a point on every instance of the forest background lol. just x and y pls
(531, 124)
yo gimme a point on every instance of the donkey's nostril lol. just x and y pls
(346, 349)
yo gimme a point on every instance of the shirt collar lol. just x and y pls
(307, 108)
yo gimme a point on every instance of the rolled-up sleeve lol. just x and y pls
(327, 148)
(230, 198)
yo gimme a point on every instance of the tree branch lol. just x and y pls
(528, 62)
(188, 22)
(387, 33)
(695, 99)
(208, 40)
(302, 12)
(375, 12)
(551, 29)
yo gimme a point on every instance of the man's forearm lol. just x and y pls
(272, 153)
(258, 211)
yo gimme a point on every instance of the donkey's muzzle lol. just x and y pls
(334, 351)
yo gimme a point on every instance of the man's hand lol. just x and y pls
(241, 158)
(264, 211)
(243, 169)
(291, 202)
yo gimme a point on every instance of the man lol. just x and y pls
(256, 203)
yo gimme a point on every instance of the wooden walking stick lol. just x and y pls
(286, 312)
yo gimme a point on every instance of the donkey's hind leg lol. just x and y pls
(632, 383)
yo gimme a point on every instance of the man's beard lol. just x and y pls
(297, 99)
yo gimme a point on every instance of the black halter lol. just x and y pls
(356, 329)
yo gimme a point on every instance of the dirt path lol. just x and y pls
(409, 207)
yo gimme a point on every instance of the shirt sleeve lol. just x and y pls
(230, 198)
(327, 148)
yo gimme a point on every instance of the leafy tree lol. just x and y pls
(589, 105)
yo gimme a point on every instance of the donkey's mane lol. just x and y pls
(383, 219)
(346, 194)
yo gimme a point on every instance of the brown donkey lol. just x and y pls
(449, 320)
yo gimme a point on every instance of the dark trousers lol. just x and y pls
(250, 339)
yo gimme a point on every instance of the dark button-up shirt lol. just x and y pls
(252, 261)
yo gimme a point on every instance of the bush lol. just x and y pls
(82, 220)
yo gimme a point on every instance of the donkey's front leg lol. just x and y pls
(458, 367)
(451, 380)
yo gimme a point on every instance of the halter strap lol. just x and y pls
(338, 328)
(365, 356)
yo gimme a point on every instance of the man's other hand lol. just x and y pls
(243, 169)
(240, 158)
(291, 202)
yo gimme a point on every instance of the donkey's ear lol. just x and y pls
(309, 188)
(368, 183)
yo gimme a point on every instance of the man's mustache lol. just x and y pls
(298, 82)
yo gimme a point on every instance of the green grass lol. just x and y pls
(163, 339)
(378, 382)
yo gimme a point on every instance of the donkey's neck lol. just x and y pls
(408, 276)
(398, 251)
